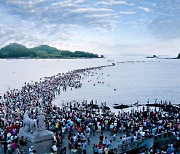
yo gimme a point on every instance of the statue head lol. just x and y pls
(26, 112)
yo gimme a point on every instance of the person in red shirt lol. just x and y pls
(100, 145)
(13, 146)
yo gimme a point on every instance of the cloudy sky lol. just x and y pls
(99, 26)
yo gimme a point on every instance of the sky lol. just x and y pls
(98, 26)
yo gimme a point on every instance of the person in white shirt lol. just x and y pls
(31, 149)
(54, 148)
(111, 128)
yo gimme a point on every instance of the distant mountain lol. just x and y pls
(178, 57)
(15, 50)
(154, 56)
(45, 48)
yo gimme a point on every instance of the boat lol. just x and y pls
(106, 108)
(155, 105)
(122, 106)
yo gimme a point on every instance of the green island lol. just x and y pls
(178, 57)
(15, 50)
(154, 56)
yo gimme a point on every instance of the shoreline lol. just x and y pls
(51, 58)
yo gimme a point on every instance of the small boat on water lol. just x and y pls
(121, 106)
(155, 105)
(106, 108)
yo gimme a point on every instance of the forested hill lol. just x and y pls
(178, 57)
(15, 50)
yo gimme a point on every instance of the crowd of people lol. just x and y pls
(80, 121)
(83, 122)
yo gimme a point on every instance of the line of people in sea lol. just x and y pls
(81, 121)
(14, 103)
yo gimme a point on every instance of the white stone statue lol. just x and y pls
(40, 121)
(29, 124)
(35, 132)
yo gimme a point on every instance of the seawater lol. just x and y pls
(126, 82)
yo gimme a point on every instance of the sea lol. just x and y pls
(132, 79)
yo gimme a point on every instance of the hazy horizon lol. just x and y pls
(98, 26)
